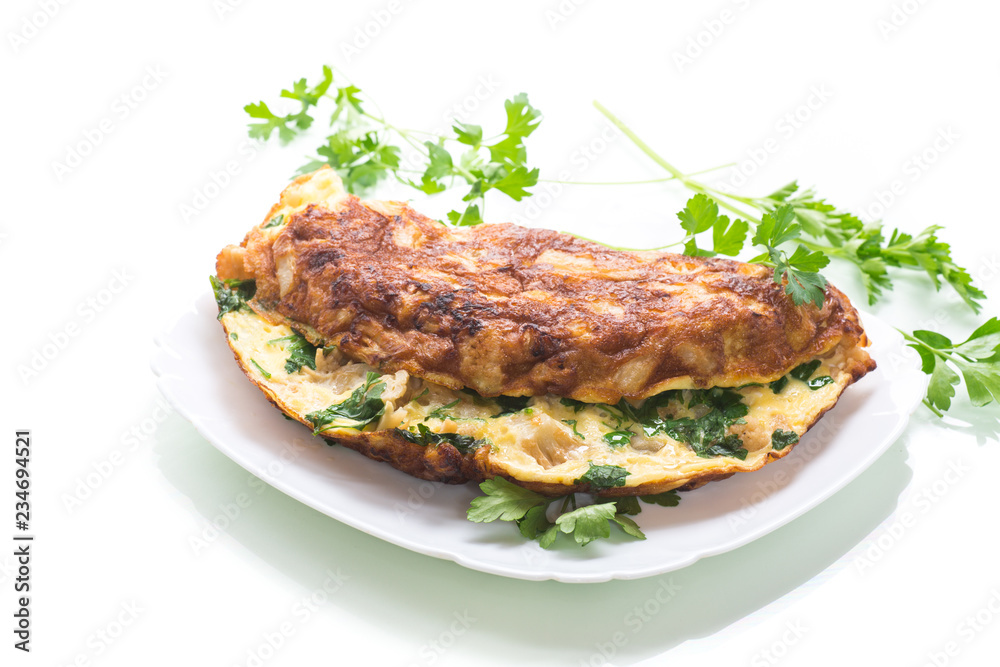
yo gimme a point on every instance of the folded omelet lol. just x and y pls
(459, 354)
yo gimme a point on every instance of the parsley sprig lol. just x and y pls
(794, 215)
(232, 295)
(365, 148)
(977, 359)
(799, 272)
(505, 501)
(363, 407)
(300, 352)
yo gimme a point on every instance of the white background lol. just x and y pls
(885, 572)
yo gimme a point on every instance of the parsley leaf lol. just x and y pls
(618, 438)
(729, 240)
(232, 295)
(503, 500)
(777, 228)
(601, 477)
(510, 404)
(628, 505)
(781, 439)
(798, 272)
(629, 526)
(702, 214)
(534, 522)
(439, 412)
(300, 352)
(588, 523)
(290, 124)
(271, 123)
(522, 120)
(707, 435)
(572, 424)
(977, 358)
(821, 381)
(574, 404)
(803, 372)
(665, 499)
(470, 135)
(424, 436)
(259, 368)
(506, 501)
(363, 407)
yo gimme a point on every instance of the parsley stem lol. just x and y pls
(940, 353)
(827, 250)
(643, 146)
(933, 409)
(650, 180)
(676, 173)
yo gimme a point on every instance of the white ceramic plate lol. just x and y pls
(198, 375)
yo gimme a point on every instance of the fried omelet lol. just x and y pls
(462, 354)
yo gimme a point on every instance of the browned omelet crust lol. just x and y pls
(504, 309)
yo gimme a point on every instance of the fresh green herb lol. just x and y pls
(234, 335)
(589, 523)
(627, 524)
(262, 371)
(363, 407)
(779, 384)
(665, 499)
(822, 232)
(574, 404)
(290, 124)
(300, 352)
(420, 395)
(511, 404)
(702, 214)
(439, 412)
(977, 359)
(628, 505)
(649, 411)
(817, 382)
(803, 372)
(505, 501)
(275, 221)
(799, 272)
(781, 439)
(424, 436)
(707, 435)
(572, 425)
(601, 477)
(716, 397)
(365, 148)
(232, 295)
(841, 235)
(618, 438)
